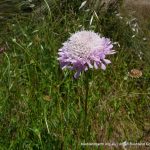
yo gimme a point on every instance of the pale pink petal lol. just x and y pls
(103, 66)
(107, 61)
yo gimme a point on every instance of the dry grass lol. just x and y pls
(138, 8)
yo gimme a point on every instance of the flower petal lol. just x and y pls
(95, 65)
(103, 66)
(107, 61)
(90, 65)
(77, 74)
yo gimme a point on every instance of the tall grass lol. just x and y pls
(42, 107)
(138, 11)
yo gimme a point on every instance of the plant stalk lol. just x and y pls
(86, 83)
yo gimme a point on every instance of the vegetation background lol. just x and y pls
(42, 107)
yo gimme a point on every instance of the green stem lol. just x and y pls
(86, 83)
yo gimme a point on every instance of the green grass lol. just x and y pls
(42, 107)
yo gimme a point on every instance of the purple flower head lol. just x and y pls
(84, 50)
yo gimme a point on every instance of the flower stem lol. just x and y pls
(86, 83)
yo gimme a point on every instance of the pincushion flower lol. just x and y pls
(84, 50)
